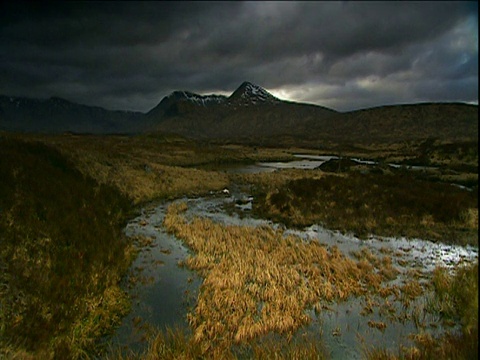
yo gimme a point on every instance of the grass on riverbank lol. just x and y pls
(62, 255)
(143, 168)
(258, 281)
(173, 344)
(456, 299)
(380, 204)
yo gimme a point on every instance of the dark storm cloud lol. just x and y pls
(344, 55)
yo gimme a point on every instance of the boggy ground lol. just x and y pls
(258, 281)
(65, 200)
(394, 204)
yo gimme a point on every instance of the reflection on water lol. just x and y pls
(168, 291)
(307, 162)
(418, 253)
(162, 291)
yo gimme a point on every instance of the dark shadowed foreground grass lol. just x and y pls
(62, 254)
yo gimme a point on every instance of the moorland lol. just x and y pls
(65, 199)
(73, 177)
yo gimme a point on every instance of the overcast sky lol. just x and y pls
(343, 55)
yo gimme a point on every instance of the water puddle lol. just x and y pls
(305, 162)
(163, 292)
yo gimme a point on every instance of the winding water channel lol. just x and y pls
(307, 162)
(164, 292)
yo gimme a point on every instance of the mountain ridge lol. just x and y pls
(250, 113)
(56, 114)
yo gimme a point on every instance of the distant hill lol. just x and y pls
(395, 123)
(55, 115)
(249, 114)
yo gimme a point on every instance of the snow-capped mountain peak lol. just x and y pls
(246, 94)
(249, 93)
(203, 100)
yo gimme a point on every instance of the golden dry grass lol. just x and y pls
(149, 167)
(257, 280)
(142, 177)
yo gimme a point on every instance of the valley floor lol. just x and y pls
(123, 173)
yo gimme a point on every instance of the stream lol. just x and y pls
(163, 292)
(306, 162)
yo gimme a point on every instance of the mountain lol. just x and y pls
(250, 94)
(56, 115)
(253, 114)
(169, 106)
(182, 102)
(250, 114)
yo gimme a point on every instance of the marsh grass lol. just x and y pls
(259, 281)
(457, 296)
(62, 254)
(455, 300)
(142, 177)
(154, 166)
(173, 344)
(62, 206)
(366, 204)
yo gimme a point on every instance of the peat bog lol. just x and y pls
(65, 201)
